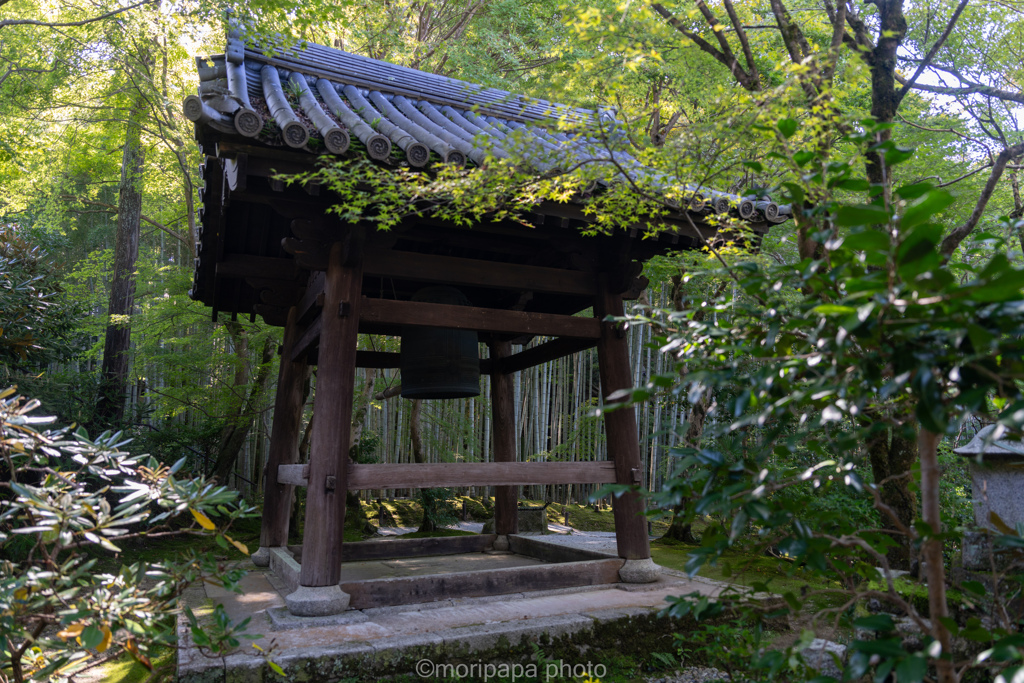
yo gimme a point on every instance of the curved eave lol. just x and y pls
(326, 101)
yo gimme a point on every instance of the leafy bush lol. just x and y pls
(874, 337)
(438, 509)
(37, 323)
(67, 500)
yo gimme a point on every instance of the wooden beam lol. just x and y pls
(284, 440)
(543, 353)
(229, 149)
(453, 474)
(384, 359)
(378, 359)
(244, 266)
(309, 339)
(503, 421)
(328, 456)
(476, 272)
(552, 552)
(360, 551)
(473, 584)
(313, 299)
(278, 297)
(295, 475)
(286, 205)
(385, 311)
(620, 426)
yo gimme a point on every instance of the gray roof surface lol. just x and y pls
(324, 100)
(983, 444)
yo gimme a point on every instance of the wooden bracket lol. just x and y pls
(637, 475)
(308, 254)
(331, 482)
(344, 309)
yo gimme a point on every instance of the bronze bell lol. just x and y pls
(439, 362)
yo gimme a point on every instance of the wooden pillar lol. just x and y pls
(620, 426)
(284, 439)
(503, 426)
(332, 405)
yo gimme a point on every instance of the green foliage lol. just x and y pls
(810, 361)
(955, 491)
(65, 500)
(438, 509)
(729, 646)
(37, 321)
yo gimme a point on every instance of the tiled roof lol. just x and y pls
(327, 101)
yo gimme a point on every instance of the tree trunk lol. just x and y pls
(298, 513)
(891, 458)
(931, 551)
(242, 416)
(352, 500)
(416, 436)
(884, 96)
(117, 343)
(678, 530)
(694, 432)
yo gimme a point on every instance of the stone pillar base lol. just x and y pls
(317, 601)
(639, 571)
(501, 543)
(261, 558)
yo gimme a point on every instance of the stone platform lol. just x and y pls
(365, 644)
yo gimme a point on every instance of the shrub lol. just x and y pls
(67, 500)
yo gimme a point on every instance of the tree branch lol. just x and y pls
(459, 26)
(838, 19)
(744, 43)
(113, 209)
(727, 59)
(932, 52)
(49, 24)
(953, 239)
(792, 36)
(974, 89)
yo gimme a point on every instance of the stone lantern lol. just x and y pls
(997, 480)
(997, 483)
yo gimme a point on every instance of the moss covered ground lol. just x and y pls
(409, 512)
(748, 568)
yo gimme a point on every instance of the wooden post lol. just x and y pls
(284, 442)
(503, 421)
(332, 405)
(620, 426)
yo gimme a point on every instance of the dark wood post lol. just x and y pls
(503, 420)
(284, 442)
(620, 426)
(332, 405)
